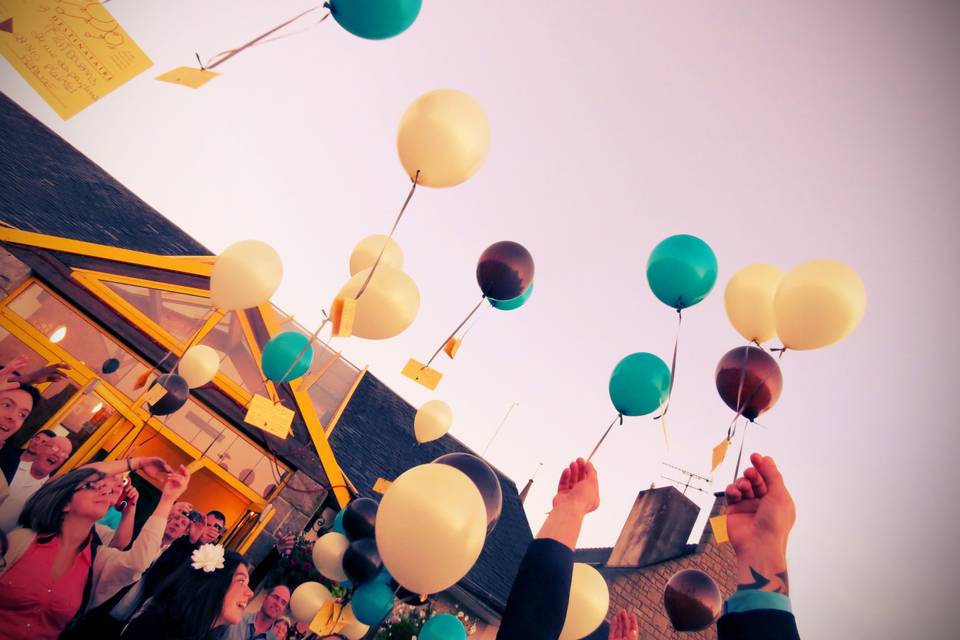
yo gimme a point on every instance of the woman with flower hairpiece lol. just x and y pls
(55, 563)
(198, 601)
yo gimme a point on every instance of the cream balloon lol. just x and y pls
(445, 135)
(328, 553)
(353, 629)
(198, 365)
(388, 305)
(431, 526)
(432, 421)
(819, 303)
(365, 253)
(748, 300)
(307, 599)
(588, 603)
(245, 275)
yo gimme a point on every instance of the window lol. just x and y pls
(75, 335)
(239, 364)
(179, 314)
(84, 418)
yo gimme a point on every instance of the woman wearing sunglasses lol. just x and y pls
(55, 562)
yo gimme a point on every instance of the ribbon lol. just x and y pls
(605, 433)
(448, 338)
(220, 58)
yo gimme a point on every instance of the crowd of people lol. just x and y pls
(74, 567)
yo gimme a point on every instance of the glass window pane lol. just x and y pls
(239, 363)
(55, 395)
(72, 333)
(84, 418)
(180, 314)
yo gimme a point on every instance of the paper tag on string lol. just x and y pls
(141, 381)
(71, 53)
(188, 77)
(342, 314)
(422, 374)
(719, 526)
(452, 346)
(327, 618)
(272, 418)
(381, 485)
(719, 454)
(154, 394)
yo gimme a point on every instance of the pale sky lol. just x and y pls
(776, 131)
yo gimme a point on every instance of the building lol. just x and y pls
(652, 546)
(92, 276)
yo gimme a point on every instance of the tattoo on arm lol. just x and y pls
(779, 583)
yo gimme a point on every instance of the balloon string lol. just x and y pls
(190, 341)
(743, 376)
(673, 366)
(220, 58)
(605, 434)
(416, 180)
(459, 326)
(281, 37)
(743, 439)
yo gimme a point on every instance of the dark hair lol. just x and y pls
(219, 516)
(33, 392)
(43, 512)
(45, 432)
(190, 600)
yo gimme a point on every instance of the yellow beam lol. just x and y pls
(201, 266)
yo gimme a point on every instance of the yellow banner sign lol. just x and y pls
(188, 77)
(71, 52)
(422, 374)
(272, 418)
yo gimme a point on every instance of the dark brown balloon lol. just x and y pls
(177, 393)
(505, 270)
(692, 600)
(483, 477)
(762, 381)
(361, 561)
(360, 518)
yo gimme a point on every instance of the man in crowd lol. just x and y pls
(256, 625)
(29, 477)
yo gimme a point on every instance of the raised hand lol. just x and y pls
(9, 378)
(579, 488)
(176, 484)
(152, 466)
(760, 514)
(624, 626)
(49, 373)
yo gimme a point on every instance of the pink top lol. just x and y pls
(32, 605)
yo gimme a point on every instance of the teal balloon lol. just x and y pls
(442, 627)
(513, 303)
(374, 19)
(346, 584)
(639, 384)
(384, 576)
(338, 524)
(372, 602)
(681, 271)
(281, 352)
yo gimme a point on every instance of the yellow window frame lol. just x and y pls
(95, 281)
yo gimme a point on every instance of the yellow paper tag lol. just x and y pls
(71, 52)
(274, 419)
(194, 466)
(327, 619)
(141, 381)
(719, 526)
(381, 485)
(452, 346)
(719, 454)
(188, 76)
(422, 374)
(342, 315)
(154, 394)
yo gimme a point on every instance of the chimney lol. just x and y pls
(525, 491)
(656, 529)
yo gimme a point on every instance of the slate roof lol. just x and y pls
(374, 439)
(48, 186)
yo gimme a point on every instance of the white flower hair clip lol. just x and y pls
(209, 558)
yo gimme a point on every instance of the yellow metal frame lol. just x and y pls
(200, 266)
(94, 281)
(128, 409)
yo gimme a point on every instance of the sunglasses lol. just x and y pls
(219, 527)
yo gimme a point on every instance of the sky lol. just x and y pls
(776, 131)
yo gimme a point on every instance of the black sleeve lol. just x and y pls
(9, 460)
(537, 606)
(760, 624)
(263, 569)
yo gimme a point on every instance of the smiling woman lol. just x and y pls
(195, 603)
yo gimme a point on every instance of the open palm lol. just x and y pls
(760, 511)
